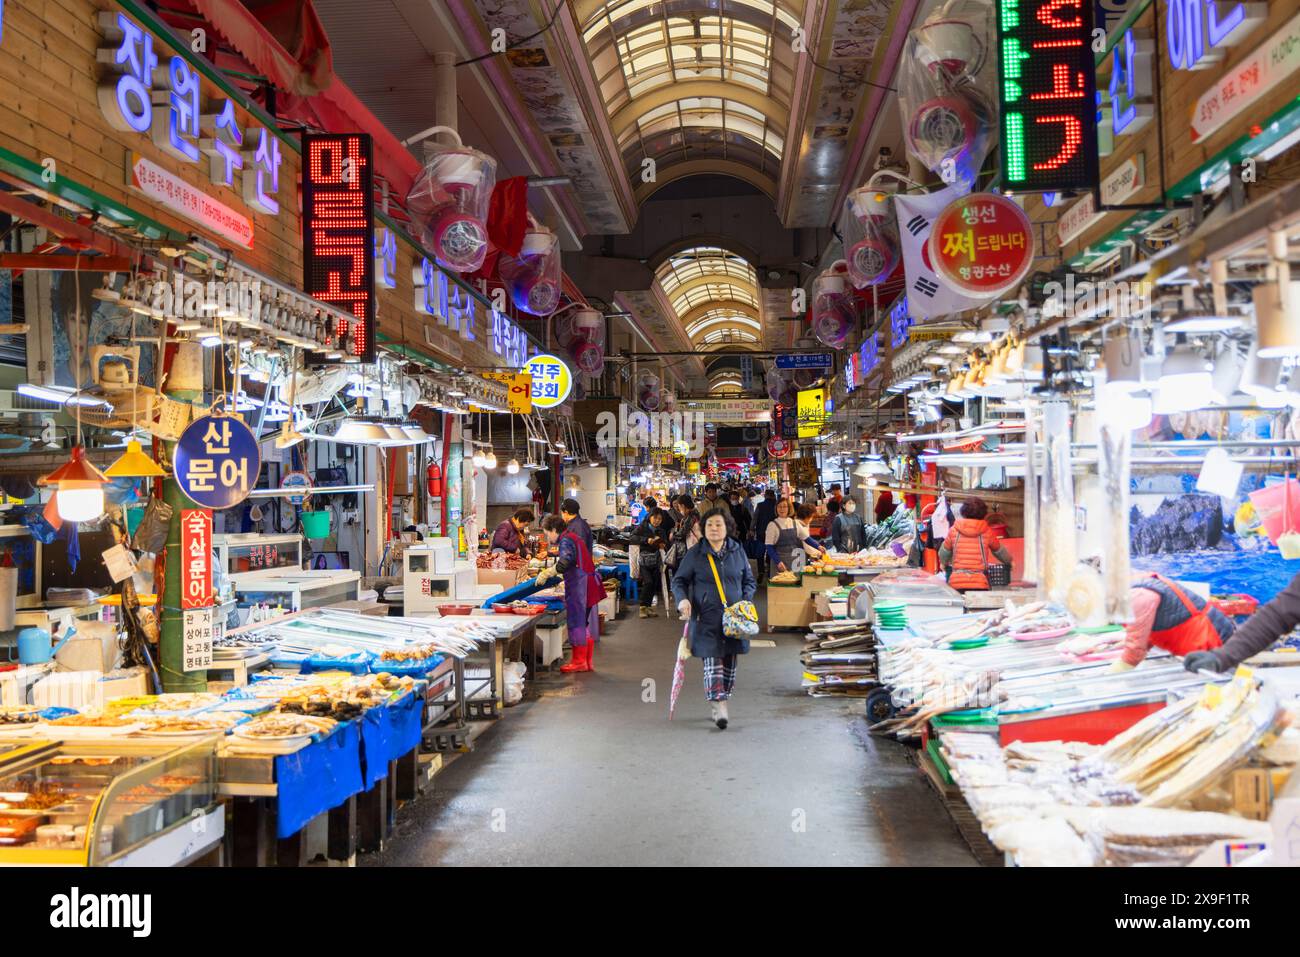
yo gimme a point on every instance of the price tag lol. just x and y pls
(197, 632)
(120, 563)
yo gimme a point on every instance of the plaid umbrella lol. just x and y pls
(679, 669)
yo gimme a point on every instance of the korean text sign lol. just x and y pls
(552, 380)
(196, 558)
(338, 228)
(1047, 83)
(217, 461)
(145, 91)
(982, 244)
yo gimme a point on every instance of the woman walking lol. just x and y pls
(714, 575)
(582, 589)
(685, 534)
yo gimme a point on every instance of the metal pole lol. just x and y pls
(444, 91)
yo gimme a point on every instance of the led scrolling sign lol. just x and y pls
(338, 229)
(1047, 86)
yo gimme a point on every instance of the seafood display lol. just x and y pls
(784, 578)
(501, 561)
(215, 723)
(19, 714)
(1121, 804)
(281, 726)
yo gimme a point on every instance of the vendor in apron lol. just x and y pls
(786, 549)
(582, 589)
(1170, 617)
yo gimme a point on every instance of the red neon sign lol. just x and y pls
(338, 230)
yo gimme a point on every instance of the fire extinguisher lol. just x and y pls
(433, 480)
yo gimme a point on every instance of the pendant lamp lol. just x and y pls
(134, 463)
(1277, 320)
(79, 488)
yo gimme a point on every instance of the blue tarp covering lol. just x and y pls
(317, 778)
(387, 733)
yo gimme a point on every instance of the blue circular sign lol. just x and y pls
(217, 461)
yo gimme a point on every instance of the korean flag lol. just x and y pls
(927, 295)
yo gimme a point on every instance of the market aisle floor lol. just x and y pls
(592, 774)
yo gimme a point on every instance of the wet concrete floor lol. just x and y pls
(592, 772)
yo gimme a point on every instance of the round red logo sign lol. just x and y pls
(777, 447)
(982, 245)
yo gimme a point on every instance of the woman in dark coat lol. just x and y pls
(697, 596)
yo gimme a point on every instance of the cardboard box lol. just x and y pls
(503, 578)
(1252, 793)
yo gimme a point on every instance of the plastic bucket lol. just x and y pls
(316, 524)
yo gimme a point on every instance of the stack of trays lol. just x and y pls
(891, 615)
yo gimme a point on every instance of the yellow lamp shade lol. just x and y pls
(134, 463)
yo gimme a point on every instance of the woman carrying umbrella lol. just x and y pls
(582, 588)
(702, 597)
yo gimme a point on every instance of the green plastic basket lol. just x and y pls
(316, 524)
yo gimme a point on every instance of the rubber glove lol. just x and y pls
(1202, 661)
(684, 608)
(546, 574)
(1119, 666)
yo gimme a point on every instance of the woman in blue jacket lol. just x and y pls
(698, 598)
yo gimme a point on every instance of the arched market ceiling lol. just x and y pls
(714, 293)
(692, 81)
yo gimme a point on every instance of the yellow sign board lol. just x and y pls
(693, 468)
(520, 388)
(552, 380)
(812, 412)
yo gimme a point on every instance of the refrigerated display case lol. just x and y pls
(110, 802)
(250, 552)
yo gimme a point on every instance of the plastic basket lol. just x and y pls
(414, 669)
(316, 524)
(999, 576)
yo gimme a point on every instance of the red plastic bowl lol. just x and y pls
(503, 609)
(530, 610)
(455, 609)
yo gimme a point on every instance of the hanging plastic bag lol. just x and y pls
(449, 202)
(533, 277)
(869, 229)
(151, 536)
(946, 91)
(939, 524)
(835, 309)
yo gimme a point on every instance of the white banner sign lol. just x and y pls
(1273, 61)
(1115, 189)
(1120, 185)
(198, 632)
(168, 189)
(1077, 219)
(927, 295)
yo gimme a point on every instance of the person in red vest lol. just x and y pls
(971, 547)
(1171, 618)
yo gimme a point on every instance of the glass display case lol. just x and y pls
(109, 802)
(251, 552)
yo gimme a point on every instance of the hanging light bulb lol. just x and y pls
(79, 488)
(490, 460)
(512, 467)
(479, 458)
